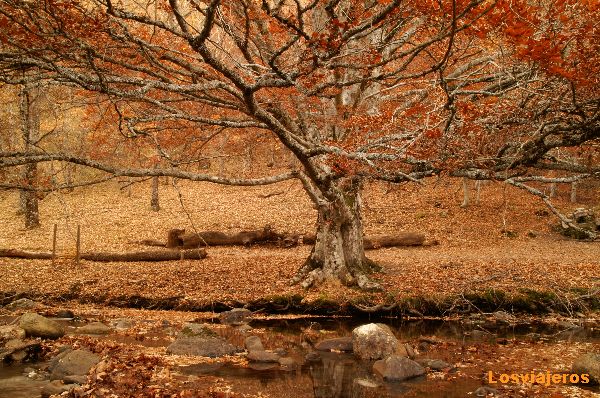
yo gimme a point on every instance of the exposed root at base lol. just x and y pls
(365, 283)
(315, 277)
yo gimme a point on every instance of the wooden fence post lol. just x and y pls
(54, 243)
(78, 246)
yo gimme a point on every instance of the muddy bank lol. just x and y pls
(531, 302)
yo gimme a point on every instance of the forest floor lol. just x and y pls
(500, 253)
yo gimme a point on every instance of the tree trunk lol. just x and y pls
(154, 204)
(466, 193)
(30, 125)
(29, 199)
(339, 253)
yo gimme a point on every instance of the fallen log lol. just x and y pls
(14, 253)
(151, 242)
(400, 239)
(187, 240)
(179, 238)
(154, 255)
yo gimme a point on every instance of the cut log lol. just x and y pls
(155, 255)
(400, 239)
(182, 239)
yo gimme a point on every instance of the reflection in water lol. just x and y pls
(326, 375)
(332, 376)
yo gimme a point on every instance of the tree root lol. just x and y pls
(365, 283)
(375, 308)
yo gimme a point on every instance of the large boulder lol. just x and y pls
(73, 362)
(374, 341)
(398, 368)
(38, 326)
(235, 317)
(588, 364)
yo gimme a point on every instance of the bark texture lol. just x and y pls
(30, 125)
(154, 201)
(339, 250)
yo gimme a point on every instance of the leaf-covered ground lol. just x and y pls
(505, 243)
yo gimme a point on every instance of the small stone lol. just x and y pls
(504, 317)
(288, 363)
(235, 317)
(434, 364)
(263, 365)
(335, 344)
(75, 379)
(122, 323)
(406, 350)
(398, 368)
(66, 314)
(56, 387)
(312, 357)
(263, 356)
(282, 352)
(245, 328)
(204, 346)
(423, 346)
(485, 391)
(8, 332)
(21, 304)
(197, 330)
(17, 350)
(253, 343)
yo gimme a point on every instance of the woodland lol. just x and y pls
(361, 158)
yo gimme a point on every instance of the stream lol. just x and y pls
(333, 374)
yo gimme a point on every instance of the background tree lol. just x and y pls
(30, 129)
(355, 90)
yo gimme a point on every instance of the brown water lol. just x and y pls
(331, 375)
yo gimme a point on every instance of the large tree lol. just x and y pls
(355, 89)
